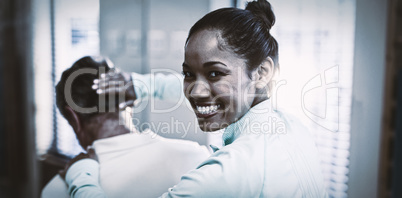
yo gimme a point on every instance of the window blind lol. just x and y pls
(316, 55)
(66, 31)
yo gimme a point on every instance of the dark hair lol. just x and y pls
(81, 91)
(245, 32)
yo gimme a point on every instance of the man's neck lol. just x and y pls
(107, 132)
(106, 127)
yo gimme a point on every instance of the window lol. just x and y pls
(65, 31)
(316, 42)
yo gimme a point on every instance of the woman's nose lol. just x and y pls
(200, 89)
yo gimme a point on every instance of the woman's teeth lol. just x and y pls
(207, 109)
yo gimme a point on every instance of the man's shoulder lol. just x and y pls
(149, 143)
(55, 188)
(184, 146)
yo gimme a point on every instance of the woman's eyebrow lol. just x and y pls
(211, 63)
(207, 64)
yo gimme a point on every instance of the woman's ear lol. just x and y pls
(72, 118)
(265, 73)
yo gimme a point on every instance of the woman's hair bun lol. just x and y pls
(263, 10)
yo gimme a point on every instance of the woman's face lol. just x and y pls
(217, 82)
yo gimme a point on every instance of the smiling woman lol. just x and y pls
(223, 60)
(230, 59)
(212, 78)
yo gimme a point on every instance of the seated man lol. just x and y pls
(127, 157)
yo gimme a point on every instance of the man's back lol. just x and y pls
(145, 165)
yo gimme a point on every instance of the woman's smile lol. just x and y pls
(215, 81)
(207, 110)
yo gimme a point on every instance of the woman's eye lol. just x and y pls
(186, 74)
(215, 73)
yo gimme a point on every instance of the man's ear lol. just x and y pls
(265, 73)
(73, 119)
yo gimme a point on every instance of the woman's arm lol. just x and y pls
(137, 87)
(165, 87)
(83, 179)
(224, 174)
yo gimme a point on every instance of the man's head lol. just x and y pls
(80, 104)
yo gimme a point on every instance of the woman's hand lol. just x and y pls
(89, 155)
(116, 82)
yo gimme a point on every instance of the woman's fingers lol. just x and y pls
(129, 103)
(111, 90)
(107, 83)
(72, 161)
(115, 82)
(91, 153)
(108, 78)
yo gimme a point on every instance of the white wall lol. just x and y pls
(367, 97)
(170, 22)
(120, 22)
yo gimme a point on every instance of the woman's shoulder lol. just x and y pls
(292, 120)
